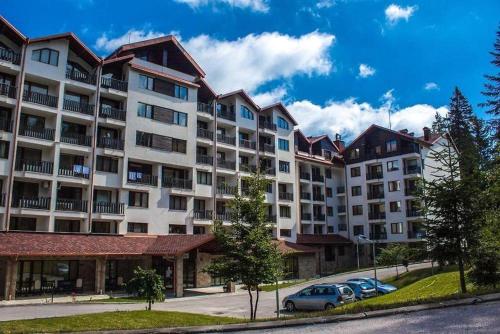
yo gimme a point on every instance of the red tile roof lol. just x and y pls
(286, 248)
(321, 239)
(178, 244)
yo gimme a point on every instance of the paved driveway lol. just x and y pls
(235, 305)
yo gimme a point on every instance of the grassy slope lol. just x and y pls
(113, 320)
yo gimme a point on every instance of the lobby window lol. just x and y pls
(137, 227)
(358, 230)
(392, 165)
(395, 206)
(357, 210)
(285, 232)
(45, 55)
(177, 229)
(282, 123)
(285, 211)
(397, 228)
(284, 166)
(246, 113)
(391, 145)
(283, 144)
(138, 199)
(394, 185)
(356, 190)
(178, 203)
(146, 82)
(355, 171)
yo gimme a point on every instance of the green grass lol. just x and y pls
(130, 299)
(272, 287)
(113, 320)
(407, 278)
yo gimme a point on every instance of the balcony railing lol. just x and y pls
(43, 99)
(177, 183)
(225, 216)
(204, 133)
(272, 219)
(6, 125)
(319, 217)
(267, 148)
(318, 178)
(202, 214)
(226, 139)
(44, 167)
(141, 178)
(342, 227)
(80, 107)
(81, 77)
(109, 208)
(267, 125)
(226, 164)
(75, 171)
(227, 190)
(8, 90)
(340, 190)
(416, 234)
(374, 175)
(75, 205)
(76, 139)
(40, 203)
(305, 195)
(113, 113)
(378, 235)
(414, 213)
(10, 56)
(112, 143)
(319, 197)
(305, 176)
(204, 160)
(305, 216)
(248, 168)
(36, 132)
(341, 209)
(225, 114)
(205, 108)
(112, 83)
(376, 215)
(248, 144)
(411, 191)
(375, 195)
(285, 196)
(268, 170)
(412, 170)
(2, 199)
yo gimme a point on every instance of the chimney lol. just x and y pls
(427, 133)
(339, 142)
(404, 131)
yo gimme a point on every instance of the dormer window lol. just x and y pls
(46, 56)
(246, 113)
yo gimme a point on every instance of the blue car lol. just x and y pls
(361, 289)
(381, 286)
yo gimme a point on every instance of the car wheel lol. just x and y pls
(290, 306)
(329, 306)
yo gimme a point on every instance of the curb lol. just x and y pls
(255, 326)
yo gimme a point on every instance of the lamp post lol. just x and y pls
(357, 250)
(363, 237)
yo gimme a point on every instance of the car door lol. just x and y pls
(318, 299)
(302, 300)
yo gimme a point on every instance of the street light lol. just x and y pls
(363, 237)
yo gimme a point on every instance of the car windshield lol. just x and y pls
(372, 282)
(365, 286)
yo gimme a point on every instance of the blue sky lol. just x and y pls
(338, 65)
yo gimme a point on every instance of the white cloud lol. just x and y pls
(133, 35)
(366, 71)
(254, 5)
(431, 86)
(395, 13)
(270, 97)
(324, 4)
(350, 117)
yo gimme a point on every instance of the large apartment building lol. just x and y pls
(106, 164)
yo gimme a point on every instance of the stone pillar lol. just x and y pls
(100, 275)
(10, 279)
(179, 277)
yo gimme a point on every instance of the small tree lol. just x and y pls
(249, 254)
(393, 255)
(147, 284)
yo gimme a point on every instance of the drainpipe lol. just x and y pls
(15, 130)
(214, 157)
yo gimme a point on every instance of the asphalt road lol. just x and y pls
(234, 305)
(481, 318)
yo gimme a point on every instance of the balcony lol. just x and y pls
(416, 235)
(204, 133)
(226, 139)
(272, 219)
(74, 205)
(112, 83)
(412, 170)
(109, 208)
(285, 196)
(5, 125)
(342, 227)
(305, 176)
(36, 132)
(267, 148)
(113, 113)
(205, 108)
(378, 235)
(81, 77)
(75, 171)
(224, 216)
(319, 217)
(319, 197)
(305, 216)
(318, 178)
(248, 168)
(204, 159)
(39, 203)
(226, 164)
(76, 139)
(376, 215)
(8, 90)
(111, 143)
(2, 199)
(268, 171)
(10, 56)
(267, 125)
(141, 178)
(340, 190)
(375, 195)
(305, 195)
(176, 183)
(202, 214)
(411, 191)
(225, 114)
(227, 190)
(414, 212)
(79, 107)
(44, 167)
(251, 145)
(42, 99)
(341, 209)
(374, 175)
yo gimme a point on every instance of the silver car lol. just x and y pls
(361, 289)
(319, 297)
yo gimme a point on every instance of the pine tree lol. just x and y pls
(492, 88)
(480, 133)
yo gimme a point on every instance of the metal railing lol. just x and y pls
(43, 99)
(113, 113)
(141, 178)
(272, 218)
(231, 116)
(412, 170)
(248, 168)
(375, 195)
(285, 196)
(341, 209)
(40, 203)
(81, 77)
(204, 133)
(319, 217)
(318, 197)
(205, 108)
(36, 132)
(305, 176)
(204, 159)
(2, 199)
(226, 164)
(10, 56)
(411, 191)
(318, 178)
(305, 216)
(226, 139)
(109, 208)
(76, 139)
(378, 235)
(8, 90)
(80, 107)
(414, 213)
(305, 195)
(267, 148)
(203, 214)
(227, 190)
(342, 227)
(226, 216)
(116, 84)
(374, 175)
(268, 171)
(75, 205)
(6, 125)
(74, 171)
(267, 125)
(112, 143)
(416, 234)
(44, 167)
(376, 215)
(177, 183)
(248, 144)
(340, 190)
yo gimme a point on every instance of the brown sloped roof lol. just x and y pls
(162, 75)
(244, 95)
(283, 109)
(177, 244)
(11, 31)
(322, 239)
(287, 248)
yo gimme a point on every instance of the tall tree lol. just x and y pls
(249, 253)
(492, 88)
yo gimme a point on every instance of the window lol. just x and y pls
(329, 192)
(106, 164)
(137, 227)
(180, 118)
(354, 153)
(199, 230)
(357, 210)
(246, 113)
(204, 178)
(392, 165)
(47, 56)
(285, 211)
(178, 203)
(358, 229)
(397, 228)
(181, 92)
(177, 229)
(328, 173)
(329, 253)
(330, 229)
(23, 224)
(283, 144)
(4, 149)
(285, 232)
(356, 191)
(145, 110)
(163, 143)
(329, 211)
(138, 199)
(269, 188)
(395, 206)
(394, 185)
(71, 226)
(284, 166)
(146, 82)
(355, 171)
(282, 123)
(391, 145)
